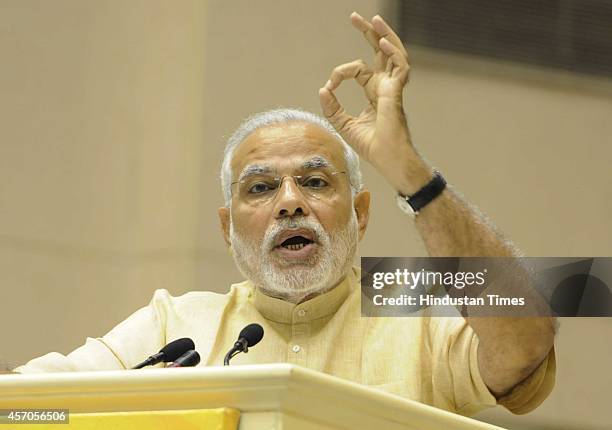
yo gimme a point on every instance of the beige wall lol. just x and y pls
(113, 117)
(100, 160)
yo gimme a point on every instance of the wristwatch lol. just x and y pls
(414, 203)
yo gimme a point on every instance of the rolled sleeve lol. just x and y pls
(531, 392)
(457, 372)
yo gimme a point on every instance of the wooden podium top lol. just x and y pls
(281, 388)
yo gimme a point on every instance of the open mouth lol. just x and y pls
(296, 243)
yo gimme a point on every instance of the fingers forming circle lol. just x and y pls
(357, 70)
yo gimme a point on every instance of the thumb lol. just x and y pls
(332, 110)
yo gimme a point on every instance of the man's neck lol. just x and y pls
(297, 299)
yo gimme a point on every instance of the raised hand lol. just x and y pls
(380, 132)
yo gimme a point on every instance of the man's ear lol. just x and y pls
(361, 202)
(224, 218)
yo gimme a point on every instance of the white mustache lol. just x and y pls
(284, 224)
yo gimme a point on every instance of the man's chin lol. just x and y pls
(306, 269)
(295, 280)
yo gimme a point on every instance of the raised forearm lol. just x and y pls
(450, 227)
(510, 348)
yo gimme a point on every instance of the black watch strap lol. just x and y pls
(421, 198)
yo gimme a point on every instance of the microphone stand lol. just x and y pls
(241, 345)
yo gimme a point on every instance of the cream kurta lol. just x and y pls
(431, 360)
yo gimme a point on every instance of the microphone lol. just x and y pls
(189, 359)
(170, 352)
(248, 337)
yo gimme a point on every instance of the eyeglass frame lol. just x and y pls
(281, 179)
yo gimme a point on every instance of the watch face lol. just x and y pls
(405, 206)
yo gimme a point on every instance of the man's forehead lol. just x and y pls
(288, 144)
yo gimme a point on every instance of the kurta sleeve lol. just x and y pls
(457, 374)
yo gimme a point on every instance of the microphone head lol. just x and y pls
(189, 359)
(252, 333)
(176, 348)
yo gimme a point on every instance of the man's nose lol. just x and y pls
(290, 200)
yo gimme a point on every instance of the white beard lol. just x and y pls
(291, 280)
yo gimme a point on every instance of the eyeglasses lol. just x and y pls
(262, 189)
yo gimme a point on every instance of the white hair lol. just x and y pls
(281, 116)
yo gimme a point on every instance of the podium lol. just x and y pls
(266, 396)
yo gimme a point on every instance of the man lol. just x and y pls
(294, 211)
